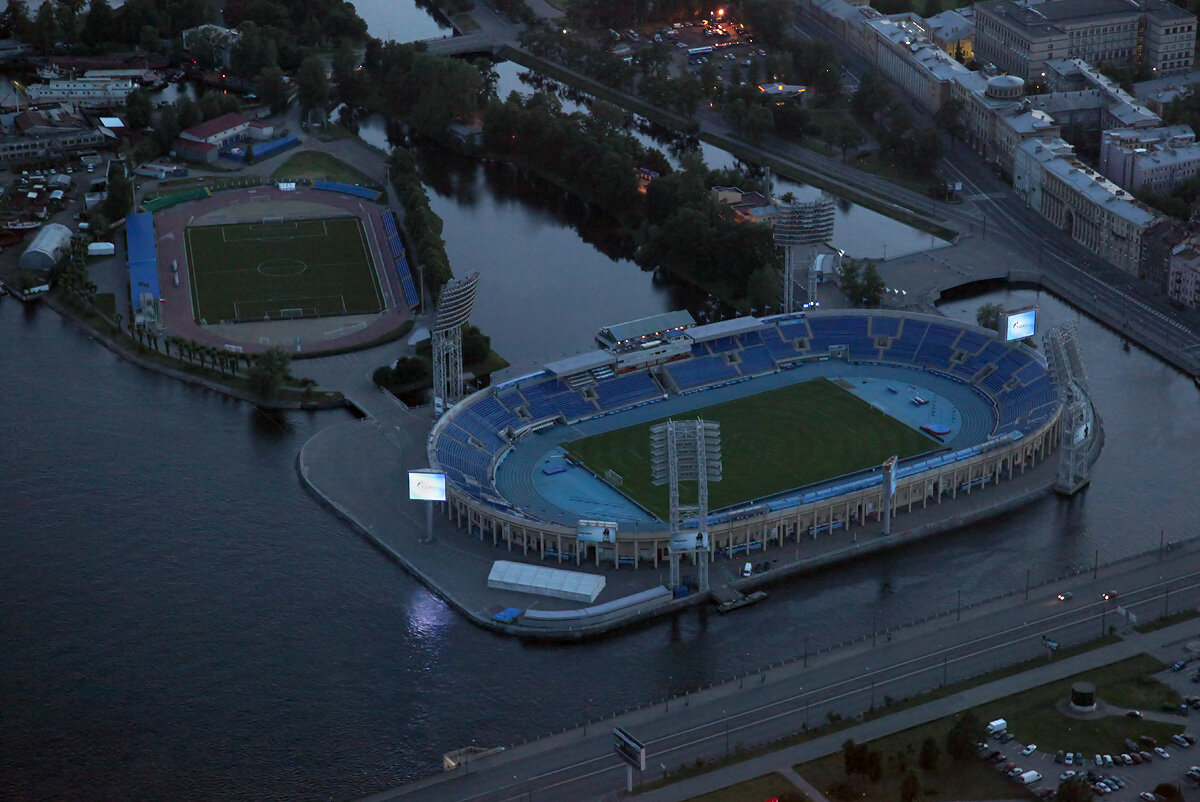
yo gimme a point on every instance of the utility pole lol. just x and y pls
(1096, 565)
(1027, 570)
(958, 611)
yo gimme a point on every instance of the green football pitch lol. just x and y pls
(281, 269)
(770, 442)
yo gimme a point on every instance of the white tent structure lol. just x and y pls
(545, 581)
(47, 248)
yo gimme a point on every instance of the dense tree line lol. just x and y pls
(913, 149)
(66, 23)
(691, 235)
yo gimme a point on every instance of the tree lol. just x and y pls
(852, 757)
(873, 285)
(1075, 789)
(271, 89)
(1168, 791)
(910, 787)
(933, 8)
(962, 738)
(948, 118)
(312, 87)
(475, 345)
(929, 755)
(100, 25)
(137, 108)
(874, 765)
(270, 370)
(44, 31)
(988, 316)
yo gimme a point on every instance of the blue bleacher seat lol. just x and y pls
(347, 189)
(701, 371)
(623, 391)
(755, 359)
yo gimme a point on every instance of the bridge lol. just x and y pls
(482, 42)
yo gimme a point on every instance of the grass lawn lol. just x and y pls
(320, 166)
(1033, 717)
(973, 779)
(1167, 621)
(290, 268)
(760, 788)
(771, 442)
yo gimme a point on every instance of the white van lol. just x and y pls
(1029, 777)
(748, 569)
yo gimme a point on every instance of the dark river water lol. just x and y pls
(183, 621)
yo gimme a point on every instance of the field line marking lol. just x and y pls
(375, 279)
(193, 279)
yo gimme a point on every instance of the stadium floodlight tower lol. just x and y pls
(1077, 423)
(455, 303)
(799, 226)
(683, 451)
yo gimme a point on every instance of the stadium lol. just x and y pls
(310, 266)
(810, 405)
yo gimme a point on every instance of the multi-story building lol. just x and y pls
(1158, 159)
(86, 93)
(954, 32)
(904, 53)
(35, 135)
(1183, 281)
(1097, 213)
(996, 117)
(1019, 38)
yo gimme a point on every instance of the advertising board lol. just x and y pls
(596, 531)
(426, 485)
(629, 749)
(1019, 323)
(689, 541)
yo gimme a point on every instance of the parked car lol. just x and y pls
(1066, 775)
(1187, 736)
(1058, 757)
(1134, 714)
(1180, 741)
(1029, 750)
(1146, 756)
(1008, 736)
(1126, 759)
(1163, 753)
(1147, 740)
(1180, 666)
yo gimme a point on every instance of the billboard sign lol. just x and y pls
(596, 531)
(1019, 324)
(427, 485)
(689, 541)
(629, 749)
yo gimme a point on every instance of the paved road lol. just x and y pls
(777, 701)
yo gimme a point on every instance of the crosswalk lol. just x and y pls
(982, 196)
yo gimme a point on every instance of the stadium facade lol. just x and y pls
(1002, 396)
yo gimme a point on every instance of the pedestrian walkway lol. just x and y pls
(1135, 644)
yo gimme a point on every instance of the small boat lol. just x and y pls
(21, 225)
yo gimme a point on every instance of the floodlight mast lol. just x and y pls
(455, 303)
(798, 227)
(1077, 423)
(686, 451)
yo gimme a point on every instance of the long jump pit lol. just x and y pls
(304, 270)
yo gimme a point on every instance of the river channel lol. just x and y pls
(182, 620)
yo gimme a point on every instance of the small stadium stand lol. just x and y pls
(400, 259)
(143, 259)
(163, 201)
(262, 150)
(347, 189)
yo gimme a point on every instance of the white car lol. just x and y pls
(1029, 750)
(1163, 753)
(1066, 775)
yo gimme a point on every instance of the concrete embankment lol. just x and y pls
(360, 470)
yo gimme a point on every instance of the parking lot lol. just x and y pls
(1131, 774)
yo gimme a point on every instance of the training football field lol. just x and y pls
(770, 442)
(277, 269)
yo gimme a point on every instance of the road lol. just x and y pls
(779, 700)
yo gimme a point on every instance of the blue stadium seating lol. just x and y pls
(780, 348)
(400, 259)
(347, 189)
(755, 359)
(794, 329)
(702, 371)
(885, 326)
(626, 390)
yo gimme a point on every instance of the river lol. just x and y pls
(183, 621)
